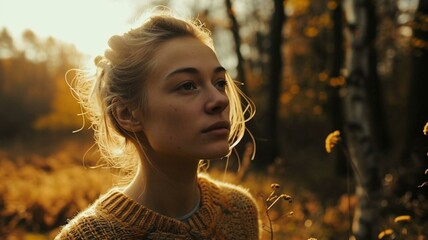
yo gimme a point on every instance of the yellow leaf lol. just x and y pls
(385, 233)
(331, 140)
(402, 218)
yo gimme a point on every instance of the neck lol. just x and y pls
(170, 189)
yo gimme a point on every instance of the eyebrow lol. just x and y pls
(192, 70)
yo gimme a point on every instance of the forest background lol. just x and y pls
(312, 67)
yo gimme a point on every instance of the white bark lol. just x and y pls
(357, 124)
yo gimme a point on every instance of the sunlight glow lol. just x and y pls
(86, 24)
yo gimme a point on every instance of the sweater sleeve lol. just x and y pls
(244, 214)
(248, 209)
(93, 226)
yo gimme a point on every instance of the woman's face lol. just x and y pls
(187, 114)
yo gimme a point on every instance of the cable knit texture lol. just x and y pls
(227, 212)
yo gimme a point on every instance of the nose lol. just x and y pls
(217, 101)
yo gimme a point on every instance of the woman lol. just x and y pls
(160, 103)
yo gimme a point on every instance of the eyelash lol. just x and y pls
(185, 86)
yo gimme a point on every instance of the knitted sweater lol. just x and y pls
(226, 212)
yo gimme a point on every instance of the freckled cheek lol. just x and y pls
(173, 141)
(176, 123)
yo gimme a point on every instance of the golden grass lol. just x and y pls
(39, 193)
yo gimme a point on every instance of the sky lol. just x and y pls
(85, 23)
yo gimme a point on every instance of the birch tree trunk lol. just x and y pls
(358, 134)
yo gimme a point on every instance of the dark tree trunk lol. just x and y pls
(334, 107)
(374, 92)
(413, 156)
(241, 148)
(237, 40)
(268, 145)
(359, 137)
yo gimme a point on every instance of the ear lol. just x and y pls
(128, 118)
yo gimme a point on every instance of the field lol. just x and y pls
(49, 179)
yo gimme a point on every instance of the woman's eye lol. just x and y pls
(221, 84)
(187, 86)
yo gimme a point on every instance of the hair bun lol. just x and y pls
(118, 43)
(97, 60)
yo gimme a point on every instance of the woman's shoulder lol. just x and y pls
(82, 225)
(94, 223)
(230, 194)
(239, 208)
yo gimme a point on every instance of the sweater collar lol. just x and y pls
(131, 213)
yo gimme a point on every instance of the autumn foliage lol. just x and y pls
(33, 93)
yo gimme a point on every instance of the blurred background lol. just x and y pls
(311, 67)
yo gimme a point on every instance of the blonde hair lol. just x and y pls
(121, 74)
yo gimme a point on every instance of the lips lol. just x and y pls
(222, 125)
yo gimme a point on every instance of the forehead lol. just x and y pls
(184, 52)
